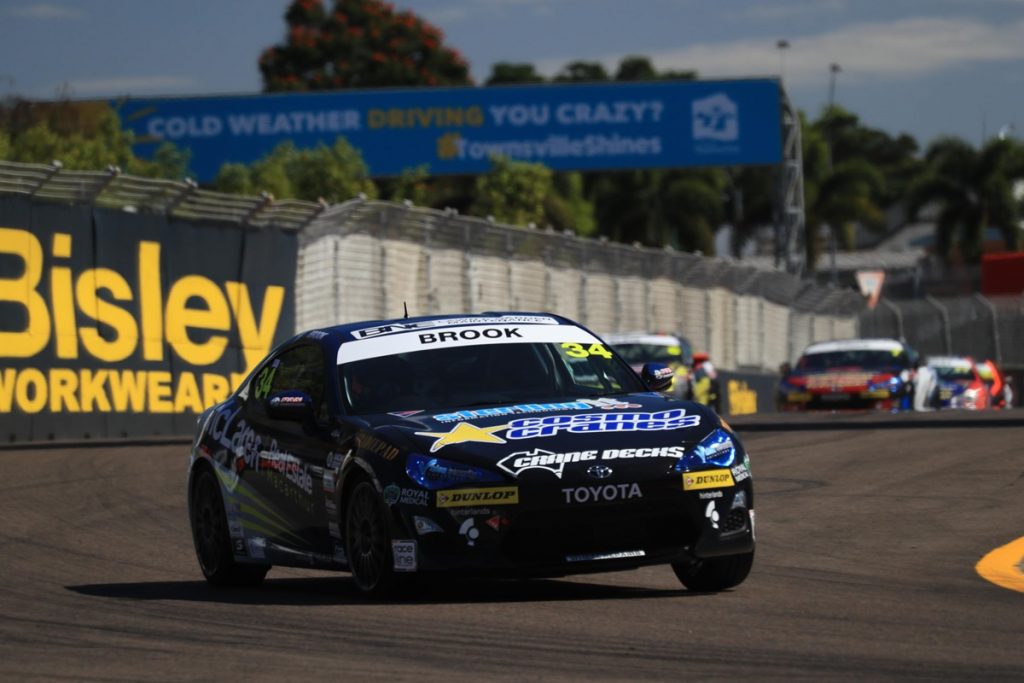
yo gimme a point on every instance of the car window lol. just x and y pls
(300, 368)
(449, 378)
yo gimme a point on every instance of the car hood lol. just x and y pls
(656, 426)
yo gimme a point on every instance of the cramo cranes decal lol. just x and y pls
(549, 425)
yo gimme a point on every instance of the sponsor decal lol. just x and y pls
(392, 492)
(235, 528)
(599, 471)
(404, 555)
(537, 427)
(516, 463)
(527, 408)
(339, 554)
(238, 546)
(375, 445)
(469, 334)
(740, 472)
(334, 460)
(625, 554)
(499, 495)
(716, 118)
(707, 479)
(602, 494)
(464, 433)
(333, 530)
(258, 548)
(662, 452)
(469, 531)
(317, 334)
(406, 413)
(711, 514)
(425, 525)
(330, 507)
(452, 322)
(497, 521)
(287, 400)
(710, 495)
(329, 482)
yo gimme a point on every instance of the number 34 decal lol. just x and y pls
(574, 350)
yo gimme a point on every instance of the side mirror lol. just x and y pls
(657, 376)
(296, 406)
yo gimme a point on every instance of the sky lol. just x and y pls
(929, 68)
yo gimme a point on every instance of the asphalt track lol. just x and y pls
(869, 530)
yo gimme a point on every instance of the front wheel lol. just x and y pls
(212, 540)
(368, 541)
(715, 573)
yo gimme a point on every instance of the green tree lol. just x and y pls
(506, 72)
(582, 72)
(973, 189)
(358, 44)
(335, 174)
(512, 192)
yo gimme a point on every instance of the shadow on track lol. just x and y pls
(341, 591)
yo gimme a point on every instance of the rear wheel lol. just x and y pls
(368, 541)
(715, 573)
(212, 540)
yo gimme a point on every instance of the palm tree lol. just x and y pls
(973, 190)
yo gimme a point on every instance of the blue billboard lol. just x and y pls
(671, 124)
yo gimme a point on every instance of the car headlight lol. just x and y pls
(434, 473)
(717, 448)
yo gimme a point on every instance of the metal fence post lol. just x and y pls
(946, 328)
(995, 325)
(899, 316)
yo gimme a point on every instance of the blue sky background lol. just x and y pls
(924, 67)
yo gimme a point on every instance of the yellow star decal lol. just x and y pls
(463, 432)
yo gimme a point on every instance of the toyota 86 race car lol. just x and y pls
(512, 444)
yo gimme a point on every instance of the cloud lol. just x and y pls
(127, 85)
(866, 51)
(45, 12)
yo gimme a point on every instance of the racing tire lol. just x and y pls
(715, 573)
(368, 541)
(211, 538)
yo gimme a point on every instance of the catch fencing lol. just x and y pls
(978, 326)
(369, 260)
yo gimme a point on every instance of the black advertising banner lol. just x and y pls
(116, 323)
(747, 393)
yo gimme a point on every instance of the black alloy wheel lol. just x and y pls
(212, 540)
(715, 573)
(368, 541)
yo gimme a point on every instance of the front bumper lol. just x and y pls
(538, 538)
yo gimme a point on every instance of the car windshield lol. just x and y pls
(953, 372)
(486, 374)
(650, 353)
(861, 358)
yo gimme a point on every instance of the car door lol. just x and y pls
(287, 467)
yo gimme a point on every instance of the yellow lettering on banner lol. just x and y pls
(126, 334)
(150, 303)
(128, 389)
(22, 290)
(91, 390)
(158, 387)
(37, 381)
(7, 380)
(256, 339)
(187, 395)
(215, 389)
(63, 385)
(179, 317)
(237, 378)
(64, 327)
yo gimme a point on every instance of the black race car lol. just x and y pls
(501, 443)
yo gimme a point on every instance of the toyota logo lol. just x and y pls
(599, 471)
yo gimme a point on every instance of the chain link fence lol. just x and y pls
(982, 327)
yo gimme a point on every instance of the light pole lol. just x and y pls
(833, 69)
(782, 46)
